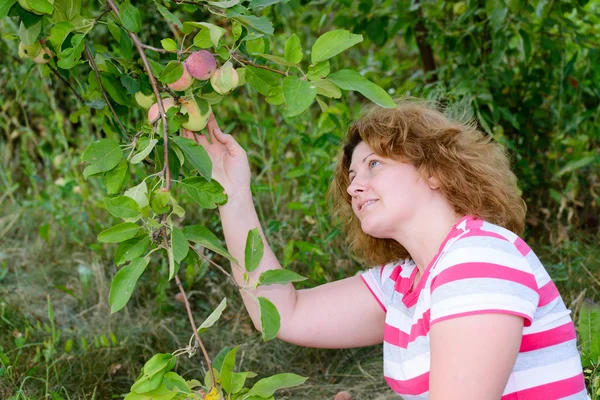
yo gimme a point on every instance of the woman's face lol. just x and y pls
(385, 193)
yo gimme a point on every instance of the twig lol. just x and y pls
(99, 17)
(95, 68)
(218, 266)
(243, 61)
(66, 82)
(154, 84)
(190, 316)
(163, 51)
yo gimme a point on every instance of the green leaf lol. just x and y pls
(299, 95)
(293, 49)
(256, 46)
(132, 248)
(328, 89)
(115, 90)
(279, 277)
(119, 233)
(116, 177)
(224, 4)
(169, 16)
(103, 154)
(213, 317)
(207, 194)
(261, 80)
(252, 23)
(351, 80)
(124, 282)
(227, 370)
(216, 32)
(175, 382)
(333, 43)
(200, 234)
(267, 386)
(5, 6)
(172, 72)
(318, 71)
(254, 250)
(180, 245)
(526, 41)
(265, 3)
(29, 35)
(196, 155)
(202, 39)
(169, 44)
(41, 6)
(139, 193)
(137, 158)
(59, 32)
(66, 10)
(130, 17)
(278, 60)
(576, 164)
(588, 326)
(276, 96)
(157, 363)
(269, 320)
(131, 85)
(173, 268)
(122, 206)
(71, 56)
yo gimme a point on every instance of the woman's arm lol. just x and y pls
(472, 356)
(335, 315)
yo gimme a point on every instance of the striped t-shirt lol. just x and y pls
(480, 268)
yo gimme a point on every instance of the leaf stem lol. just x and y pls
(154, 84)
(218, 266)
(95, 68)
(190, 316)
(243, 61)
(66, 82)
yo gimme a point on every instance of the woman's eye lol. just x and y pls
(372, 163)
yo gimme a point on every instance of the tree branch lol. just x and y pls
(190, 316)
(218, 266)
(66, 82)
(95, 68)
(243, 61)
(161, 107)
(425, 49)
(163, 51)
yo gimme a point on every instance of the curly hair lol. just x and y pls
(473, 171)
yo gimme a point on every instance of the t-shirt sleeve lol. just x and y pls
(482, 275)
(375, 279)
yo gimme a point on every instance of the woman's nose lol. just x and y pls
(356, 186)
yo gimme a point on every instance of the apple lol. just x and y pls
(153, 113)
(185, 81)
(196, 120)
(201, 65)
(224, 79)
(44, 56)
(29, 51)
(143, 100)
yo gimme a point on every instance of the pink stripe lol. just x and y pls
(553, 390)
(480, 233)
(483, 270)
(551, 337)
(478, 312)
(414, 386)
(548, 293)
(373, 293)
(396, 272)
(522, 246)
(397, 337)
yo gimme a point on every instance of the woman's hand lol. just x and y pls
(229, 160)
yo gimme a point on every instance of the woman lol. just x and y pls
(463, 306)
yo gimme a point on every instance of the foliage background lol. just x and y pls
(527, 72)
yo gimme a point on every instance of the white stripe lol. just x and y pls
(396, 318)
(479, 255)
(407, 370)
(488, 227)
(533, 377)
(548, 322)
(387, 271)
(374, 286)
(477, 302)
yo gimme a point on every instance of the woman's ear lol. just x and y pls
(433, 182)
